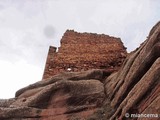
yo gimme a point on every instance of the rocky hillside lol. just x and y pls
(133, 92)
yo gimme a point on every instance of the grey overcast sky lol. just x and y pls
(29, 27)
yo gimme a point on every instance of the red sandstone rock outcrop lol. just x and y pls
(65, 96)
(135, 88)
(93, 94)
(85, 51)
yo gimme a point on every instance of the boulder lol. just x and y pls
(66, 96)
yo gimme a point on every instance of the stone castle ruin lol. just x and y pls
(84, 51)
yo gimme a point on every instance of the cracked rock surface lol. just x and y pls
(75, 95)
(135, 88)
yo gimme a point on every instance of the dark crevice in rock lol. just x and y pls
(121, 81)
(42, 102)
(79, 109)
(84, 100)
(149, 93)
(143, 98)
(20, 118)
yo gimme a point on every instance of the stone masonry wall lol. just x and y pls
(83, 51)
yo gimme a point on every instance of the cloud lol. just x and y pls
(126, 19)
(16, 75)
(21, 33)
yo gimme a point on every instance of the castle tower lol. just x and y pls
(83, 51)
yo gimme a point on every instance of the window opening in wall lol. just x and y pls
(69, 69)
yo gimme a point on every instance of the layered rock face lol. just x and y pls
(95, 95)
(85, 51)
(135, 88)
(66, 96)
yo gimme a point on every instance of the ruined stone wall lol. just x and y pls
(83, 51)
